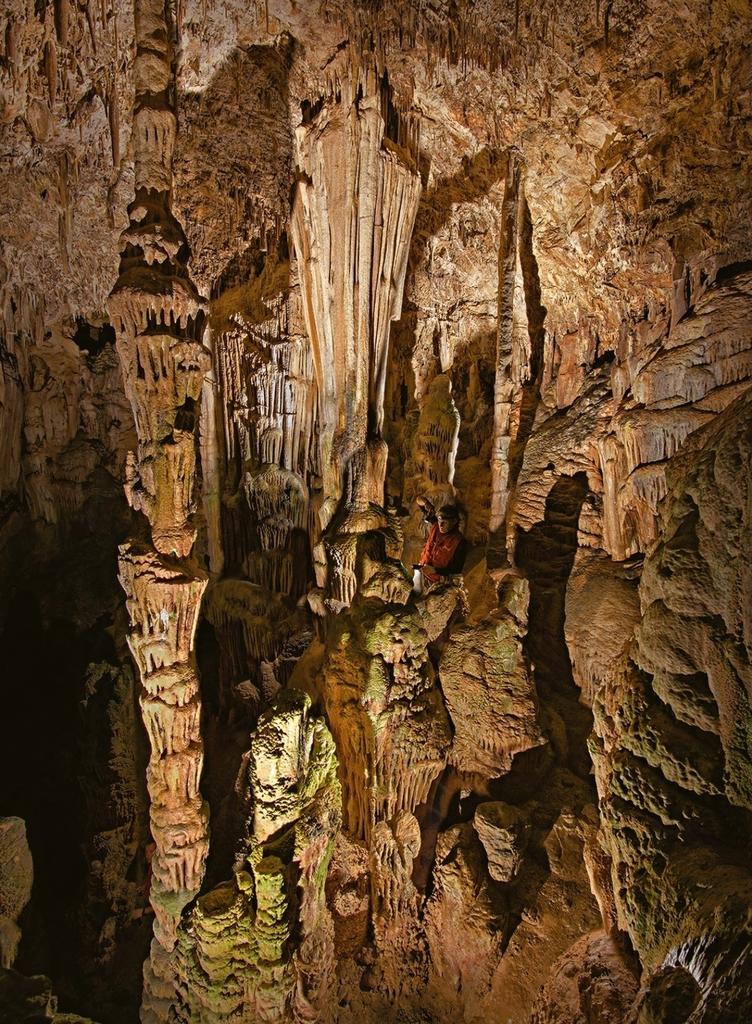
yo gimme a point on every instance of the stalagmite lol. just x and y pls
(235, 957)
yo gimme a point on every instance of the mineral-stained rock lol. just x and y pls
(16, 878)
(669, 750)
(235, 955)
(466, 919)
(556, 908)
(503, 831)
(385, 709)
(348, 894)
(590, 984)
(602, 611)
(489, 694)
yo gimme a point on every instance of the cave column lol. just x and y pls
(353, 216)
(504, 387)
(159, 319)
(519, 354)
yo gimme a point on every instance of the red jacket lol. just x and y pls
(444, 551)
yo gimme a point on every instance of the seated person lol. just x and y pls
(445, 550)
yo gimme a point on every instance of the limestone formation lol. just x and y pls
(503, 832)
(489, 695)
(352, 219)
(270, 273)
(160, 323)
(591, 982)
(240, 953)
(16, 877)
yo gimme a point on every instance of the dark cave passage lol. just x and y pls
(546, 554)
(58, 771)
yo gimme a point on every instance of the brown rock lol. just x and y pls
(589, 984)
(503, 831)
(16, 879)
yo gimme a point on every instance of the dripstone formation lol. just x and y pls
(270, 273)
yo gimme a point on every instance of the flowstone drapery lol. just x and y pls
(353, 213)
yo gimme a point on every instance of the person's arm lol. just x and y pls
(427, 508)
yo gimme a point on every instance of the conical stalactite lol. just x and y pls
(160, 320)
(354, 210)
(519, 349)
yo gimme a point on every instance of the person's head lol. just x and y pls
(448, 518)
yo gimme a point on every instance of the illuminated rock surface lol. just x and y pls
(271, 271)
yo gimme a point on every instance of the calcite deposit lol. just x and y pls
(276, 280)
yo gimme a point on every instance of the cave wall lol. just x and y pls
(269, 273)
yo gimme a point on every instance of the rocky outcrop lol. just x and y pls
(667, 749)
(488, 691)
(590, 982)
(16, 878)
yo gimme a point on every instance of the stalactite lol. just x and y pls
(91, 20)
(348, 325)
(113, 112)
(50, 68)
(504, 381)
(11, 45)
(519, 354)
(62, 15)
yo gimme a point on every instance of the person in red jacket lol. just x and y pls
(446, 548)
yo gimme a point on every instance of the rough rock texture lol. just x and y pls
(590, 982)
(16, 878)
(31, 1001)
(269, 273)
(671, 750)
